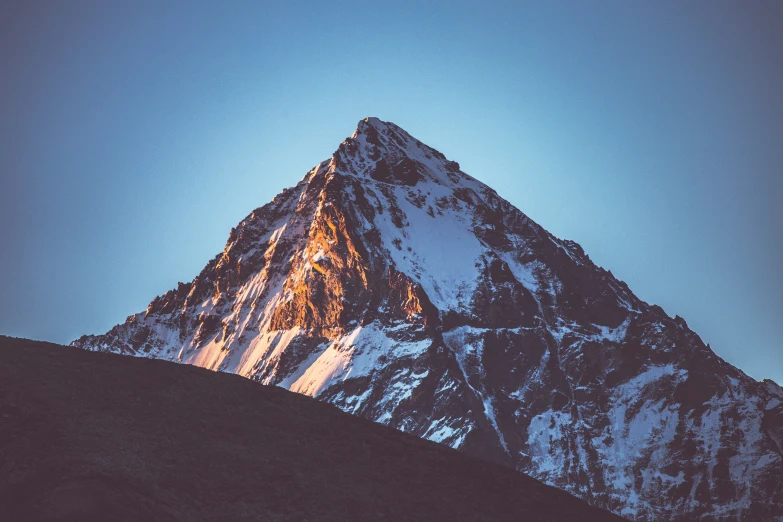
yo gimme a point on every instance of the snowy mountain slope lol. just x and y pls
(392, 284)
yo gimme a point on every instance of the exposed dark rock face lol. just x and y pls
(96, 437)
(390, 283)
(404, 172)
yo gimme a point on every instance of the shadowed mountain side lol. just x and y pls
(97, 436)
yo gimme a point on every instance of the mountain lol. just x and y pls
(87, 436)
(400, 289)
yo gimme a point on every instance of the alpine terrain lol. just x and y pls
(395, 286)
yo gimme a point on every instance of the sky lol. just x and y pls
(134, 135)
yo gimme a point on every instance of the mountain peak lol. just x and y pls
(385, 152)
(398, 288)
(371, 121)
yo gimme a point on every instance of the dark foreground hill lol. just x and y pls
(96, 436)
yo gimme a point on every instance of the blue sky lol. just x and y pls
(134, 135)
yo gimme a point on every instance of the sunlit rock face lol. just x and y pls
(395, 286)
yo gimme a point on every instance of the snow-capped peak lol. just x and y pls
(390, 283)
(385, 152)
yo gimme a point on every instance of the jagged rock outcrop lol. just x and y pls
(390, 283)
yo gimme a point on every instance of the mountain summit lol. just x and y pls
(395, 286)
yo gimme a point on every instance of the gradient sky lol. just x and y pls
(134, 135)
